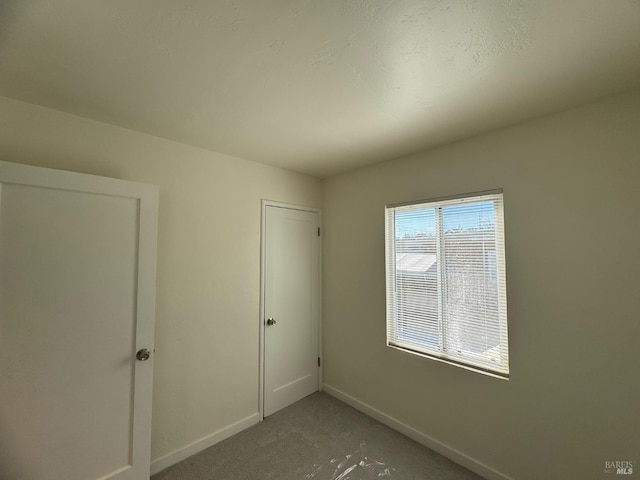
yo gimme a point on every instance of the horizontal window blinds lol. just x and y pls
(445, 275)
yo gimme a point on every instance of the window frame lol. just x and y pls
(463, 360)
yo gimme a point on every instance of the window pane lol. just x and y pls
(416, 278)
(471, 290)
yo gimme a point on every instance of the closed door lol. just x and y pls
(291, 305)
(77, 289)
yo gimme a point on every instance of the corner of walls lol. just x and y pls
(207, 302)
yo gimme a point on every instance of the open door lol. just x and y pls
(77, 296)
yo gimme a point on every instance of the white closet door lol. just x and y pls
(291, 306)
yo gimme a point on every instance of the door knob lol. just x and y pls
(271, 321)
(143, 355)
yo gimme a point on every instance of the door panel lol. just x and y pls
(292, 268)
(70, 324)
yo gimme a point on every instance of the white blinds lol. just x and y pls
(446, 290)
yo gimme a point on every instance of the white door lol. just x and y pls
(291, 305)
(77, 289)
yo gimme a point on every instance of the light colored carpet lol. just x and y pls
(317, 438)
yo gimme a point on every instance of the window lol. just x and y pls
(445, 273)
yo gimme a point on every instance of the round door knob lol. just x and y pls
(143, 355)
(271, 321)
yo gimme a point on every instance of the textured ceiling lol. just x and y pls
(318, 87)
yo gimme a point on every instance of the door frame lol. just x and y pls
(261, 355)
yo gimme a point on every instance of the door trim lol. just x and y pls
(265, 204)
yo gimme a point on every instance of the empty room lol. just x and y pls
(333, 240)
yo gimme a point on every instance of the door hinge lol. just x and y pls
(318, 361)
(318, 231)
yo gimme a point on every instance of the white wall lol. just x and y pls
(206, 364)
(572, 205)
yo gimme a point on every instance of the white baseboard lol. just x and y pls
(166, 461)
(429, 442)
